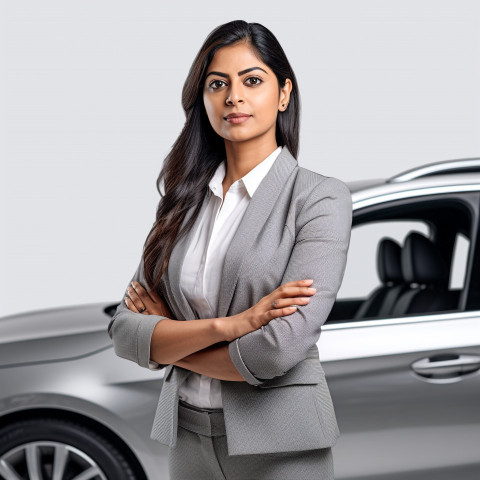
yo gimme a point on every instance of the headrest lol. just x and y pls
(422, 262)
(389, 261)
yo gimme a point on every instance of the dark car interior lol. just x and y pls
(413, 276)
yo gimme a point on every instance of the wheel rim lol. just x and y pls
(45, 459)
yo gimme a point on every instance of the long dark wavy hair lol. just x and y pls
(198, 150)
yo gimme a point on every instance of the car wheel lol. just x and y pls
(58, 449)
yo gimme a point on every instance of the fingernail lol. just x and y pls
(312, 289)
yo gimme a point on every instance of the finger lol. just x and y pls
(280, 312)
(132, 293)
(287, 302)
(298, 283)
(131, 305)
(143, 293)
(287, 292)
(135, 299)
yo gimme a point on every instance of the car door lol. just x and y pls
(406, 387)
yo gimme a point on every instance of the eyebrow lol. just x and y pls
(242, 72)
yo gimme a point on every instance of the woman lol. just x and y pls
(243, 236)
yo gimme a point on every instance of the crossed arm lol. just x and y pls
(193, 345)
(214, 362)
(320, 253)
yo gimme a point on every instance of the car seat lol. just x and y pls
(426, 272)
(381, 301)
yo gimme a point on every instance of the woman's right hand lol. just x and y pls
(286, 295)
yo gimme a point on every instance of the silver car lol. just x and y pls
(400, 349)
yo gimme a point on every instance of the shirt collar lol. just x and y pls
(250, 181)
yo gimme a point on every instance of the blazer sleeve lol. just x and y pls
(132, 332)
(320, 253)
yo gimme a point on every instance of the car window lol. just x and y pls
(439, 231)
(361, 276)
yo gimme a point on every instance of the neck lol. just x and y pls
(243, 157)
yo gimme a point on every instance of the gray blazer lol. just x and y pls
(296, 226)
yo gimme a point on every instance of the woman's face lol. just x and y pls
(250, 86)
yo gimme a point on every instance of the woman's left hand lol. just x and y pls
(139, 300)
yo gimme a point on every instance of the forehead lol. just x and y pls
(235, 58)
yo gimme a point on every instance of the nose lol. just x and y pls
(235, 94)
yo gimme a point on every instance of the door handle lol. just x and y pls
(446, 365)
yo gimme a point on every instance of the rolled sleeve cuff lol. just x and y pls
(155, 366)
(144, 339)
(234, 352)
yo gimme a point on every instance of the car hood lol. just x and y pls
(53, 334)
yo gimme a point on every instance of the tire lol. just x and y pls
(29, 449)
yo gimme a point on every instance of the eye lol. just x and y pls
(255, 78)
(214, 82)
(257, 81)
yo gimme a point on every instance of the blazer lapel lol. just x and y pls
(255, 216)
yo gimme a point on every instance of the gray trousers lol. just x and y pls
(201, 454)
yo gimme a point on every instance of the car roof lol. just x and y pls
(449, 175)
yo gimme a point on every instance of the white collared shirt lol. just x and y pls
(200, 279)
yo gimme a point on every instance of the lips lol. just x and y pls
(237, 115)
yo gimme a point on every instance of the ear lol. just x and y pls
(285, 95)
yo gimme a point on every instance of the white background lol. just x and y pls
(90, 107)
